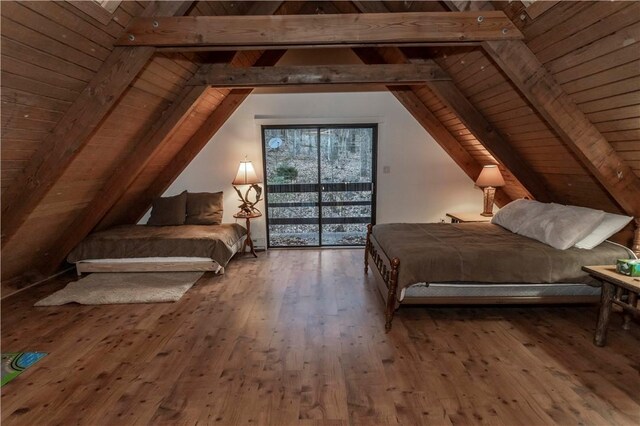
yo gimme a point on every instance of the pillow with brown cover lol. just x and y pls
(204, 208)
(169, 211)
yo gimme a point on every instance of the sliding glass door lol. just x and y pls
(320, 184)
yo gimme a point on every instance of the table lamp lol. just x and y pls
(247, 176)
(490, 178)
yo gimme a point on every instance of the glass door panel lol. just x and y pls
(346, 184)
(319, 184)
(291, 169)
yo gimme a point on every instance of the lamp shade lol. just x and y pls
(490, 176)
(246, 174)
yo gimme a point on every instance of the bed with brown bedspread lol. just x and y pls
(216, 242)
(406, 254)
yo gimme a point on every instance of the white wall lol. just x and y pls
(423, 183)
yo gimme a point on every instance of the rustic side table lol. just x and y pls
(248, 242)
(467, 217)
(614, 287)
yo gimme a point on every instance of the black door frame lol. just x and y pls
(374, 173)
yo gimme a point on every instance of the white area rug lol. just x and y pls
(115, 288)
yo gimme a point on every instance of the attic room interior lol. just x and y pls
(320, 212)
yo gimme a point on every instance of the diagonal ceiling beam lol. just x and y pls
(191, 148)
(126, 172)
(390, 74)
(473, 120)
(432, 125)
(563, 115)
(486, 134)
(74, 129)
(329, 30)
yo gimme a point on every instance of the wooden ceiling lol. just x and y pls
(92, 129)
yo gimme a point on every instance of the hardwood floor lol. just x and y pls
(297, 337)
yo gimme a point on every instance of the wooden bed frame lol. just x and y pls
(386, 273)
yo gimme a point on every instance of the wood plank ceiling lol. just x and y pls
(51, 51)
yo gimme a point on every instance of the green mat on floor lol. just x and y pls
(14, 363)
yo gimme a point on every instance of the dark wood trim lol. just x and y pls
(321, 29)
(388, 74)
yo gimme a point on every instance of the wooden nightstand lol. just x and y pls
(614, 287)
(468, 217)
(248, 242)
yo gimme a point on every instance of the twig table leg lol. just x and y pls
(603, 316)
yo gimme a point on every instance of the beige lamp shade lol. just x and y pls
(490, 176)
(246, 174)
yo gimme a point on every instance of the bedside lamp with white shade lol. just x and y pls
(490, 178)
(247, 176)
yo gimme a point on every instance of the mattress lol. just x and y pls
(484, 253)
(214, 242)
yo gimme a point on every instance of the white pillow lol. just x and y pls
(611, 224)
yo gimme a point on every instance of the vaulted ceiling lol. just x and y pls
(92, 130)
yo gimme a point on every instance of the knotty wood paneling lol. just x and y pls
(42, 74)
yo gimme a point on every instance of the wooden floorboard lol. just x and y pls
(297, 337)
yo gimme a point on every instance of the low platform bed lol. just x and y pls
(477, 263)
(144, 248)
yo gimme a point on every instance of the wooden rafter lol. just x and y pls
(488, 136)
(126, 172)
(563, 115)
(475, 122)
(191, 148)
(283, 30)
(432, 125)
(74, 129)
(228, 76)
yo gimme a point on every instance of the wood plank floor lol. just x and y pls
(297, 337)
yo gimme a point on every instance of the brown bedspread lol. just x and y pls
(127, 241)
(483, 252)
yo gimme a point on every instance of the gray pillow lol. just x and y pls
(204, 208)
(561, 226)
(514, 215)
(168, 211)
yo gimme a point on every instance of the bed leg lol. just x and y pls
(391, 298)
(366, 249)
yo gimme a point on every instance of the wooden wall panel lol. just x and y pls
(170, 147)
(513, 188)
(44, 73)
(505, 108)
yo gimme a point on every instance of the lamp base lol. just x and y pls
(248, 208)
(489, 195)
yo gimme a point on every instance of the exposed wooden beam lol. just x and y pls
(578, 133)
(314, 46)
(498, 147)
(443, 137)
(432, 125)
(73, 131)
(191, 148)
(330, 29)
(228, 76)
(125, 173)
